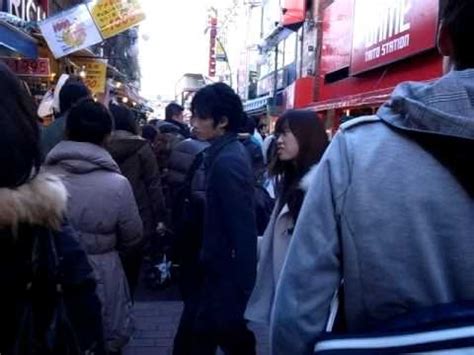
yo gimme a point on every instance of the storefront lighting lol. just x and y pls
(83, 73)
(118, 85)
(124, 100)
(134, 103)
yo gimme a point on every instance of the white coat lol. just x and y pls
(273, 248)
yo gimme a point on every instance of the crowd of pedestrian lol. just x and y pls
(345, 246)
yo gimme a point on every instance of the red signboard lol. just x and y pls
(386, 31)
(212, 46)
(28, 67)
(294, 12)
(337, 36)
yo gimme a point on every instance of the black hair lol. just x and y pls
(248, 125)
(89, 121)
(312, 141)
(172, 110)
(153, 121)
(457, 16)
(20, 153)
(217, 101)
(149, 132)
(124, 118)
(70, 93)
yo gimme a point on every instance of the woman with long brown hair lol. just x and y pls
(301, 141)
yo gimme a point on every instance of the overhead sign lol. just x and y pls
(293, 12)
(27, 10)
(70, 31)
(95, 73)
(115, 16)
(386, 31)
(337, 36)
(28, 67)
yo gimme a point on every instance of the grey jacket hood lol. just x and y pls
(445, 107)
(81, 158)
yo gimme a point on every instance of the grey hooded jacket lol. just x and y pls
(103, 210)
(391, 211)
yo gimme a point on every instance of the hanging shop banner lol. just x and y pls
(386, 31)
(28, 67)
(115, 16)
(95, 73)
(70, 31)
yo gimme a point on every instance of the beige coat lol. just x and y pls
(273, 248)
(103, 211)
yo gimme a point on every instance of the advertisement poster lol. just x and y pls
(386, 31)
(70, 31)
(28, 67)
(96, 73)
(115, 16)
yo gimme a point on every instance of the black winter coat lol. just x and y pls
(137, 163)
(229, 249)
(29, 214)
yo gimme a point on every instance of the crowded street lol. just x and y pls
(236, 177)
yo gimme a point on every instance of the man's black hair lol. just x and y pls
(173, 109)
(89, 122)
(71, 93)
(248, 124)
(124, 118)
(217, 101)
(458, 17)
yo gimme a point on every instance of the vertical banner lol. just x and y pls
(115, 16)
(96, 73)
(70, 31)
(212, 42)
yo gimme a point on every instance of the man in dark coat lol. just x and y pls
(228, 257)
(69, 94)
(174, 117)
(138, 164)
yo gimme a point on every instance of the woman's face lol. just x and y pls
(287, 146)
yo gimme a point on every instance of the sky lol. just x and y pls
(172, 43)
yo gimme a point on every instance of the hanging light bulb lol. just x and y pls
(83, 73)
(124, 100)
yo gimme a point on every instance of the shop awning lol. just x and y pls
(17, 41)
(374, 98)
(256, 106)
(279, 34)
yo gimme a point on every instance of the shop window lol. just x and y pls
(336, 75)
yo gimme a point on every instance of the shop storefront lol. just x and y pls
(282, 23)
(368, 47)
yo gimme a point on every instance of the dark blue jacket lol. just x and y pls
(229, 247)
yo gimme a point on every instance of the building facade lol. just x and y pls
(342, 58)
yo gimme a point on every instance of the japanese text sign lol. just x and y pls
(115, 16)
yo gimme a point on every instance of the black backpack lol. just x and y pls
(43, 325)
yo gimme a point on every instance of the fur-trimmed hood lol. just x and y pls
(42, 201)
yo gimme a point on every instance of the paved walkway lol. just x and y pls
(157, 318)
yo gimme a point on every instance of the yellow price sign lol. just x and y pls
(115, 16)
(95, 73)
